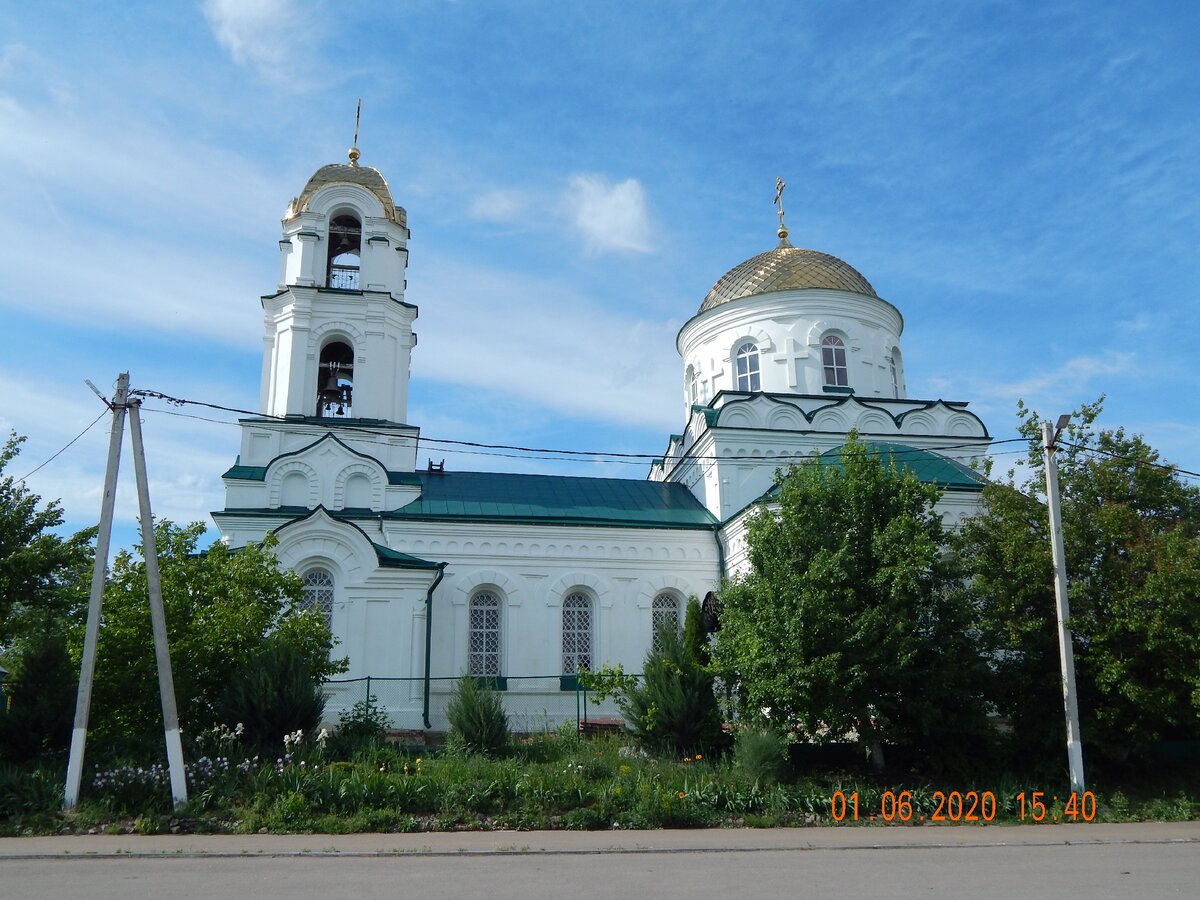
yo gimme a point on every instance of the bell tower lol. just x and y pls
(337, 343)
(338, 333)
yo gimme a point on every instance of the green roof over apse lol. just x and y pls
(555, 499)
(394, 559)
(929, 467)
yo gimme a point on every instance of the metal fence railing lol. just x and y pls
(534, 703)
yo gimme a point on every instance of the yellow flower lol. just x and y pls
(682, 795)
(698, 756)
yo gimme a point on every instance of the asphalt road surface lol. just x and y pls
(1076, 861)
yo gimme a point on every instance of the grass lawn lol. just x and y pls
(550, 781)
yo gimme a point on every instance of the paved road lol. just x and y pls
(1076, 861)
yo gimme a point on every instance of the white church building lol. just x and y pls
(426, 574)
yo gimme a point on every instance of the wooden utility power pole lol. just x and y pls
(119, 405)
(1050, 434)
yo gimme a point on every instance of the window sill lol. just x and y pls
(837, 389)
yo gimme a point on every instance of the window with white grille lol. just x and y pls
(663, 613)
(576, 633)
(483, 647)
(318, 594)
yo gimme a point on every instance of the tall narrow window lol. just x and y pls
(345, 251)
(833, 361)
(664, 613)
(318, 594)
(895, 375)
(576, 633)
(746, 361)
(483, 647)
(693, 387)
(335, 380)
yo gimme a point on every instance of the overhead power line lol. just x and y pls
(1133, 459)
(543, 452)
(61, 449)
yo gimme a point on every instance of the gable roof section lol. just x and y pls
(929, 467)
(386, 556)
(555, 499)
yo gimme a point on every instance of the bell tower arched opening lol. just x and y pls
(345, 252)
(335, 394)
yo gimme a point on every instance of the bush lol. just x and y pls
(276, 694)
(761, 755)
(41, 703)
(25, 793)
(363, 722)
(478, 722)
(674, 709)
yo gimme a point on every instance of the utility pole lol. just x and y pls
(158, 621)
(1050, 435)
(119, 405)
(91, 635)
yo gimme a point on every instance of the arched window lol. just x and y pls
(664, 613)
(483, 642)
(693, 387)
(576, 633)
(833, 361)
(746, 361)
(335, 380)
(345, 251)
(318, 594)
(895, 370)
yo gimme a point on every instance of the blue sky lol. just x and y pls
(1022, 180)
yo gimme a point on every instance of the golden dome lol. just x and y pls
(363, 176)
(786, 268)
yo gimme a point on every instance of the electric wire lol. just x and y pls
(558, 454)
(61, 450)
(445, 444)
(1133, 459)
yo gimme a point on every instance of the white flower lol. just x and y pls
(766, 711)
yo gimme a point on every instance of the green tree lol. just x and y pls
(224, 609)
(41, 573)
(277, 693)
(1131, 529)
(36, 716)
(846, 621)
(673, 709)
(695, 638)
(478, 722)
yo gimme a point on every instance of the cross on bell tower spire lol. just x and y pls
(353, 152)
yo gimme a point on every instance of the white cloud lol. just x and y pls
(264, 34)
(499, 205)
(105, 255)
(609, 216)
(540, 342)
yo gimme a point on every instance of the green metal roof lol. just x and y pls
(555, 499)
(929, 467)
(394, 559)
(246, 473)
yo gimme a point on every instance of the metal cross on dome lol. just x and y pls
(780, 184)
